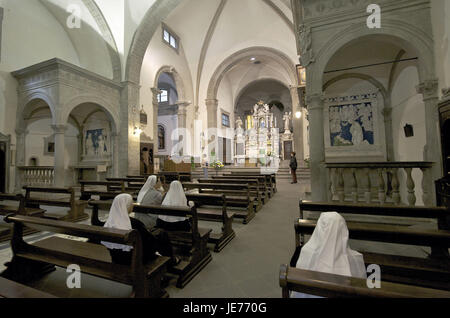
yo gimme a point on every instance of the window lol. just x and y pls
(161, 138)
(225, 120)
(170, 38)
(163, 97)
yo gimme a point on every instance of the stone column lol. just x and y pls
(20, 157)
(297, 124)
(129, 144)
(59, 165)
(155, 103)
(317, 148)
(212, 107)
(115, 154)
(432, 149)
(387, 114)
(182, 124)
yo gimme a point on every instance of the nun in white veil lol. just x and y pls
(149, 184)
(119, 219)
(148, 196)
(177, 198)
(328, 251)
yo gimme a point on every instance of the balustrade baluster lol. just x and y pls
(340, 190)
(381, 187)
(330, 185)
(426, 191)
(410, 185)
(368, 192)
(354, 185)
(395, 187)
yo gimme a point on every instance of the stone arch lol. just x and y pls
(364, 77)
(278, 56)
(177, 78)
(244, 88)
(103, 104)
(29, 100)
(408, 36)
(99, 18)
(150, 23)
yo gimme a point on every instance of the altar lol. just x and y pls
(258, 142)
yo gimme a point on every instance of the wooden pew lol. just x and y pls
(111, 189)
(131, 185)
(5, 229)
(39, 258)
(238, 195)
(10, 289)
(271, 178)
(76, 212)
(433, 272)
(256, 185)
(222, 239)
(330, 285)
(191, 246)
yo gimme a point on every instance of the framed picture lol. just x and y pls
(301, 74)
(49, 146)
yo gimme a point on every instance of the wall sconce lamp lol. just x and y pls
(409, 130)
(137, 131)
(298, 115)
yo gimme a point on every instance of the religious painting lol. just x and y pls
(301, 74)
(351, 125)
(49, 146)
(96, 142)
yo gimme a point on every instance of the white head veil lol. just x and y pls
(174, 197)
(150, 183)
(119, 219)
(327, 250)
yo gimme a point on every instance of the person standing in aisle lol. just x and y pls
(293, 166)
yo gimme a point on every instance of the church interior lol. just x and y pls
(224, 148)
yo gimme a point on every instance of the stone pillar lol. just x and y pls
(212, 107)
(155, 103)
(20, 157)
(182, 125)
(297, 124)
(115, 154)
(129, 144)
(317, 148)
(59, 164)
(387, 113)
(432, 150)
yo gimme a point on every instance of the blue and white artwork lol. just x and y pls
(351, 125)
(96, 142)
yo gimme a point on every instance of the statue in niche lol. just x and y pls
(287, 119)
(239, 123)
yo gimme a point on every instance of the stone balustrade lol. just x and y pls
(37, 176)
(378, 182)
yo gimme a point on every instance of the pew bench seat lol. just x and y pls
(331, 285)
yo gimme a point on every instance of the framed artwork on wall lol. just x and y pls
(49, 146)
(301, 75)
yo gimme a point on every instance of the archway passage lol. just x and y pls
(278, 97)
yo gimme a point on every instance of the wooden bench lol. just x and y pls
(256, 185)
(19, 208)
(190, 246)
(76, 212)
(330, 285)
(39, 258)
(222, 239)
(271, 178)
(111, 189)
(238, 195)
(11, 289)
(130, 185)
(433, 272)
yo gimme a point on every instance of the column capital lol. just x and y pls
(428, 88)
(387, 112)
(212, 102)
(59, 129)
(22, 131)
(315, 101)
(155, 90)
